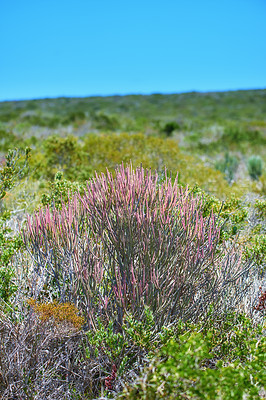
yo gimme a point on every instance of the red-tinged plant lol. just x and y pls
(130, 242)
(261, 306)
(109, 381)
(52, 239)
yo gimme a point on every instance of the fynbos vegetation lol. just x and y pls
(120, 278)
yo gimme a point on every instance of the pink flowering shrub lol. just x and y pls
(132, 241)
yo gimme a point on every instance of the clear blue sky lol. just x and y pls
(52, 48)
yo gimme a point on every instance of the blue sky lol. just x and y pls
(53, 48)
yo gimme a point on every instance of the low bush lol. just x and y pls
(260, 206)
(14, 168)
(228, 166)
(42, 360)
(8, 139)
(237, 134)
(110, 150)
(59, 191)
(63, 154)
(39, 119)
(255, 167)
(186, 369)
(170, 127)
(57, 313)
(107, 122)
(8, 247)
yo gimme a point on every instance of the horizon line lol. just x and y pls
(129, 94)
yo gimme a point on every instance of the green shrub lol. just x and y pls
(73, 117)
(15, 167)
(182, 370)
(8, 139)
(260, 206)
(232, 336)
(255, 167)
(170, 127)
(9, 115)
(238, 134)
(233, 212)
(50, 121)
(63, 154)
(8, 247)
(78, 159)
(107, 122)
(228, 166)
(109, 150)
(60, 191)
(255, 249)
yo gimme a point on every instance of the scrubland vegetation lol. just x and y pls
(132, 247)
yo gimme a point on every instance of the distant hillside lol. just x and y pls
(195, 108)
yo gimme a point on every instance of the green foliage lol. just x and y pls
(106, 122)
(60, 191)
(8, 247)
(143, 333)
(15, 168)
(8, 139)
(181, 370)
(63, 154)
(255, 249)
(232, 337)
(134, 338)
(251, 228)
(237, 134)
(7, 285)
(228, 166)
(37, 119)
(234, 106)
(255, 167)
(233, 212)
(107, 341)
(170, 127)
(109, 150)
(74, 117)
(95, 152)
(260, 206)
